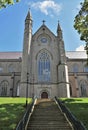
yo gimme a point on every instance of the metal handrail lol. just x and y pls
(77, 125)
(23, 122)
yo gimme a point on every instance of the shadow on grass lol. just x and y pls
(70, 100)
(10, 114)
(80, 110)
(78, 107)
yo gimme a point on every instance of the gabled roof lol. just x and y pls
(10, 55)
(44, 27)
(76, 54)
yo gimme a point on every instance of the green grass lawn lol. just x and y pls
(11, 111)
(79, 107)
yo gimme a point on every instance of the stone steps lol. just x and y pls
(47, 116)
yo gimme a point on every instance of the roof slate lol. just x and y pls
(76, 54)
(69, 54)
(10, 55)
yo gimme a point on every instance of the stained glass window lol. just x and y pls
(43, 67)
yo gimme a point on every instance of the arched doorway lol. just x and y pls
(44, 95)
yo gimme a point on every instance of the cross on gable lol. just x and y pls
(43, 22)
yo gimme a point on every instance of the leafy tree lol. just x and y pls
(5, 3)
(81, 23)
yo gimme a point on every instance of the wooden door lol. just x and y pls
(44, 95)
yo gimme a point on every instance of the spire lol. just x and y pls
(58, 27)
(59, 31)
(28, 20)
(29, 16)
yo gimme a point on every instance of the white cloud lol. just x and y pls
(80, 48)
(48, 7)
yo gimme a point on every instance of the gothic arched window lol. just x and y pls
(83, 88)
(43, 67)
(3, 88)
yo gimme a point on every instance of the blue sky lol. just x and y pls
(12, 22)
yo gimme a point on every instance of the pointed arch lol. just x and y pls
(44, 91)
(44, 95)
(83, 88)
(3, 88)
(43, 64)
(45, 50)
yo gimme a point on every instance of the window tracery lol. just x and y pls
(43, 67)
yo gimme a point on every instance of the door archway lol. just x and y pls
(44, 95)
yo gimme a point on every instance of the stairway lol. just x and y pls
(47, 116)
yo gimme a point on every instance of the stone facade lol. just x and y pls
(43, 69)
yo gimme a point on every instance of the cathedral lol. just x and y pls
(43, 69)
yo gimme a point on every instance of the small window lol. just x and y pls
(18, 88)
(75, 68)
(11, 68)
(85, 68)
(70, 90)
(1, 69)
